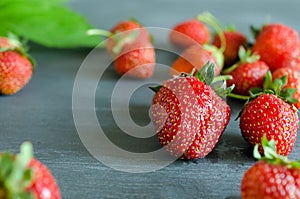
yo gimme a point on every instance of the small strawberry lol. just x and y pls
(188, 114)
(137, 60)
(293, 81)
(124, 32)
(277, 45)
(129, 43)
(197, 56)
(234, 40)
(189, 32)
(248, 73)
(269, 113)
(272, 177)
(15, 66)
(22, 176)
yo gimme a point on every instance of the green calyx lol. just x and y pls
(206, 74)
(18, 45)
(245, 56)
(271, 156)
(15, 176)
(275, 87)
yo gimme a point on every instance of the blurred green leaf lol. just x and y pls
(49, 23)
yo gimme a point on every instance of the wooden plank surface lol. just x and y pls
(42, 111)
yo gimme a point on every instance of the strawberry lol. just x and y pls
(188, 114)
(269, 113)
(15, 66)
(129, 43)
(234, 39)
(189, 32)
(293, 81)
(137, 60)
(124, 32)
(248, 73)
(23, 176)
(273, 176)
(197, 56)
(277, 45)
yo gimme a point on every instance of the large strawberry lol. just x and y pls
(293, 81)
(272, 177)
(15, 66)
(189, 32)
(234, 40)
(188, 115)
(197, 56)
(22, 176)
(248, 73)
(269, 113)
(136, 60)
(277, 45)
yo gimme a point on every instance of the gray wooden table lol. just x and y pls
(43, 114)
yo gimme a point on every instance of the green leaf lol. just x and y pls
(207, 73)
(48, 23)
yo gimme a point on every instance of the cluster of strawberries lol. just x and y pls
(190, 117)
(189, 112)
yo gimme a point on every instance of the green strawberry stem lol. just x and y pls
(99, 32)
(208, 18)
(245, 56)
(237, 96)
(15, 176)
(271, 156)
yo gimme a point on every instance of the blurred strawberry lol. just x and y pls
(24, 177)
(189, 32)
(197, 56)
(234, 39)
(16, 66)
(277, 45)
(136, 60)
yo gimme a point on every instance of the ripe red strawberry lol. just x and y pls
(293, 81)
(268, 113)
(277, 45)
(189, 32)
(136, 60)
(124, 32)
(273, 176)
(15, 66)
(234, 40)
(197, 56)
(248, 73)
(23, 176)
(188, 115)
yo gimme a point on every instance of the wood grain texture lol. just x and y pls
(42, 113)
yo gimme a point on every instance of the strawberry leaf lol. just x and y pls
(14, 174)
(207, 73)
(48, 23)
(270, 155)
